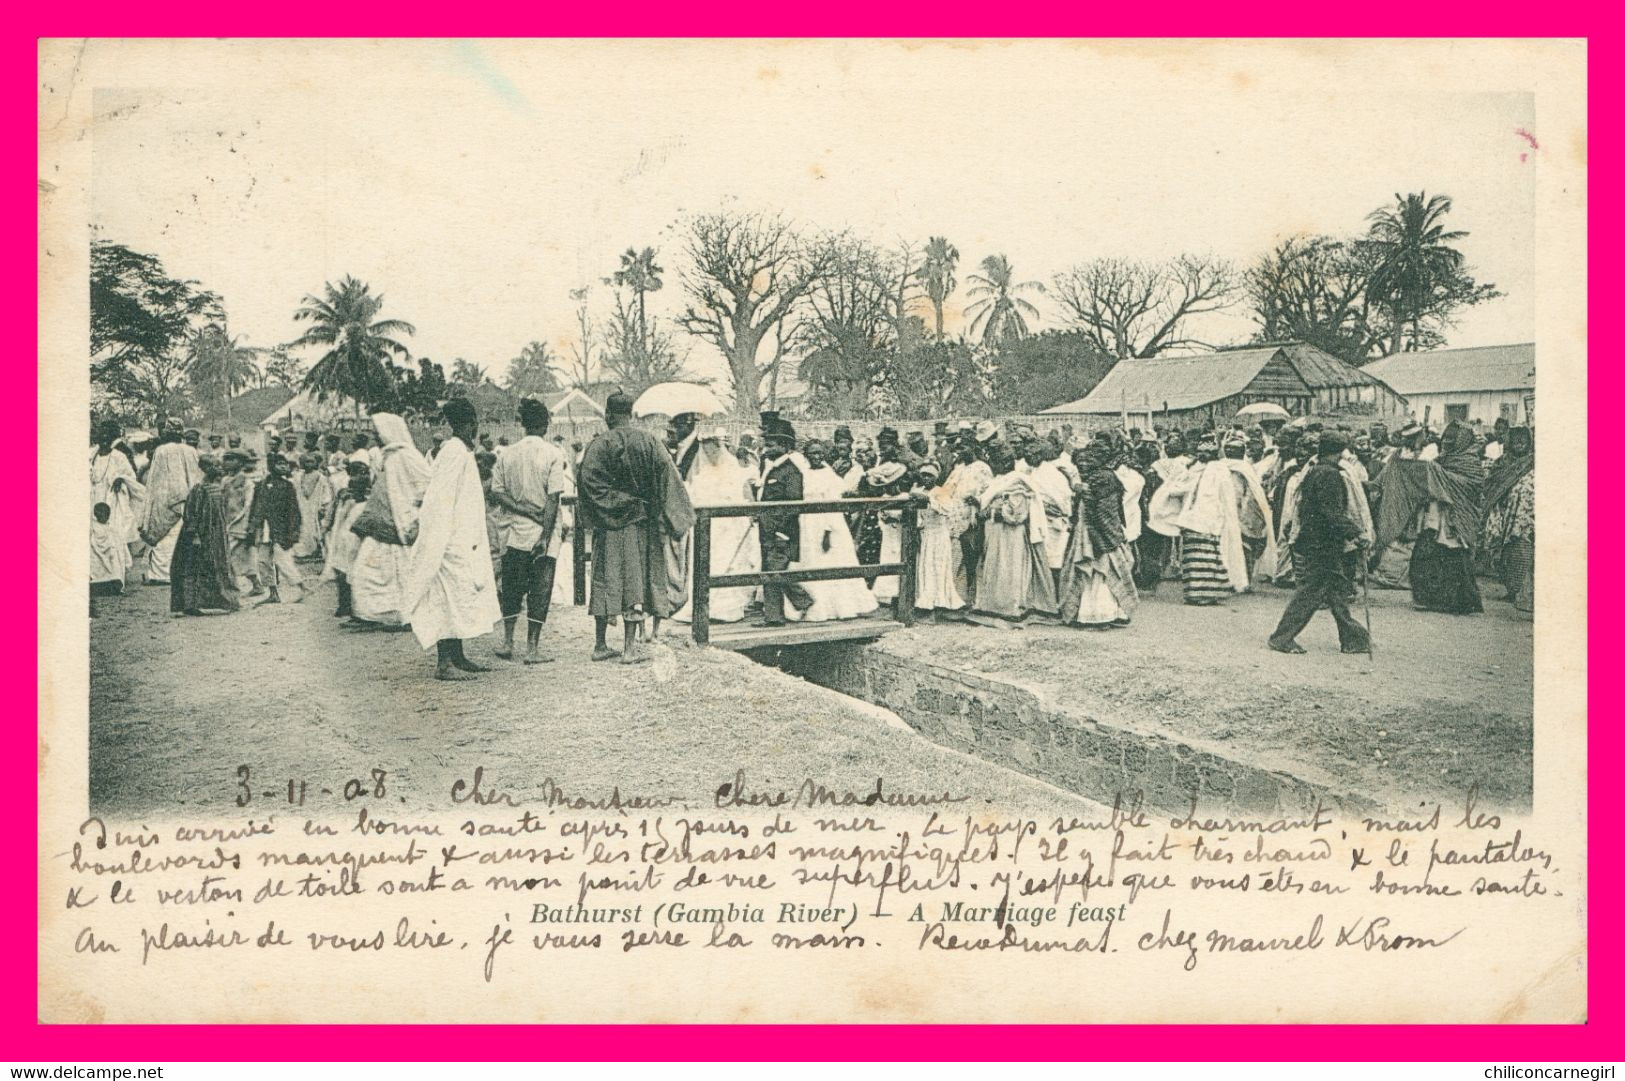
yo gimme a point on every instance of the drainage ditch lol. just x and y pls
(1011, 726)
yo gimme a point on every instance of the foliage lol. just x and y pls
(1048, 369)
(359, 345)
(422, 391)
(1398, 287)
(1419, 277)
(281, 368)
(140, 323)
(745, 275)
(531, 374)
(998, 309)
(1129, 308)
(217, 366)
(936, 274)
(637, 354)
(466, 373)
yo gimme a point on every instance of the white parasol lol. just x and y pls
(670, 399)
(1263, 409)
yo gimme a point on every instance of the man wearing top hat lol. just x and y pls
(780, 533)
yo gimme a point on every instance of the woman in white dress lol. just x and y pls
(716, 479)
(936, 589)
(827, 542)
(384, 558)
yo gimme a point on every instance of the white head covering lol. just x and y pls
(405, 470)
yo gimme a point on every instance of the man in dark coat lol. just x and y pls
(633, 501)
(1326, 528)
(273, 530)
(780, 533)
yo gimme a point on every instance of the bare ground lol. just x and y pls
(177, 705)
(1446, 704)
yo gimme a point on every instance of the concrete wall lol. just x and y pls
(1012, 727)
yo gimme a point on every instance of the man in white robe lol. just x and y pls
(170, 478)
(113, 481)
(451, 593)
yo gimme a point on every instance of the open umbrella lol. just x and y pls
(670, 399)
(1263, 409)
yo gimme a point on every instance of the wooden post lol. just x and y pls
(578, 560)
(908, 580)
(700, 598)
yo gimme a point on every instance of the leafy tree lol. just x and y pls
(217, 366)
(1048, 369)
(531, 374)
(466, 373)
(999, 311)
(282, 368)
(642, 276)
(847, 327)
(1137, 309)
(423, 391)
(140, 322)
(1342, 296)
(929, 379)
(359, 346)
(746, 274)
(1418, 275)
(936, 273)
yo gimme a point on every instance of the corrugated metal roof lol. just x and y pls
(1488, 367)
(1181, 382)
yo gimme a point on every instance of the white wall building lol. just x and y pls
(1480, 384)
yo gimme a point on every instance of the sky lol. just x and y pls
(475, 184)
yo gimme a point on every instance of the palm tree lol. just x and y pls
(1414, 256)
(217, 364)
(936, 272)
(467, 372)
(999, 311)
(532, 371)
(640, 274)
(359, 346)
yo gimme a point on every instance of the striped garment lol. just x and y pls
(1202, 570)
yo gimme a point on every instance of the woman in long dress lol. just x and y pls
(383, 560)
(1097, 580)
(827, 542)
(200, 570)
(716, 479)
(936, 588)
(315, 493)
(1014, 579)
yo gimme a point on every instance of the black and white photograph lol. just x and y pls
(670, 435)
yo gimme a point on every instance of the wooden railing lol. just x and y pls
(704, 582)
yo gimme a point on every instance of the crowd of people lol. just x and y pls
(1012, 524)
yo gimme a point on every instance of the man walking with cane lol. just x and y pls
(1326, 529)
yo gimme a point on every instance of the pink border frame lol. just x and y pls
(24, 1039)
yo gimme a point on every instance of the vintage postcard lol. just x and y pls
(812, 531)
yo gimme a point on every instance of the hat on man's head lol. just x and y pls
(781, 430)
(940, 428)
(770, 417)
(1207, 442)
(843, 434)
(234, 455)
(887, 434)
(618, 405)
(886, 474)
(1411, 428)
(985, 431)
